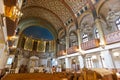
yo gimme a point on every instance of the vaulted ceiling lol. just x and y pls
(54, 12)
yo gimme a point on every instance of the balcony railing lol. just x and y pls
(61, 53)
(90, 44)
(113, 37)
(72, 49)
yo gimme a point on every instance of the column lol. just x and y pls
(107, 59)
(100, 62)
(97, 22)
(59, 62)
(3, 55)
(3, 60)
(58, 47)
(59, 68)
(79, 39)
(100, 30)
(67, 63)
(67, 42)
(3, 48)
(18, 64)
(82, 57)
(81, 63)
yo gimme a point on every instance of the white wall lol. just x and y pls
(116, 58)
(1, 6)
(43, 62)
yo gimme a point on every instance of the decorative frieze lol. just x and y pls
(113, 37)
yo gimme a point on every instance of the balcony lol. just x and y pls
(61, 53)
(113, 37)
(72, 49)
(90, 44)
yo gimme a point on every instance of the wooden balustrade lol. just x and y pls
(72, 49)
(61, 53)
(113, 37)
(90, 44)
(110, 38)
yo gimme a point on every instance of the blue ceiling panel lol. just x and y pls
(38, 33)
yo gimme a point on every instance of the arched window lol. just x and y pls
(118, 23)
(85, 37)
(96, 33)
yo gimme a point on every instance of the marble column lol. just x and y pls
(81, 61)
(82, 57)
(3, 48)
(3, 56)
(79, 39)
(67, 63)
(59, 62)
(3, 60)
(107, 59)
(67, 42)
(100, 62)
(18, 63)
(100, 30)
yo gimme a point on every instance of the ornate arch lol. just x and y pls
(61, 34)
(36, 22)
(99, 6)
(82, 16)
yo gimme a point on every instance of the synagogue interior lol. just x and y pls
(59, 39)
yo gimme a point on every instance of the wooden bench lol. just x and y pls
(34, 76)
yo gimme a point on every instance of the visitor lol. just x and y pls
(59, 69)
(53, 69)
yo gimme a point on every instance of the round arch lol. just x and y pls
(82, 16)
(61, 34)
(36, 22)
(99, 6)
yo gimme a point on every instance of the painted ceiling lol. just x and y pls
(38, 33)
(55, 12)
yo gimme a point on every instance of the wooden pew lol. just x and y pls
(97, 74)
(34, 76)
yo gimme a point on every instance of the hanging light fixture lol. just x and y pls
(13, 12)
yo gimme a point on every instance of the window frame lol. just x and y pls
(97, 34)
(84, 37)
(117, 22)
